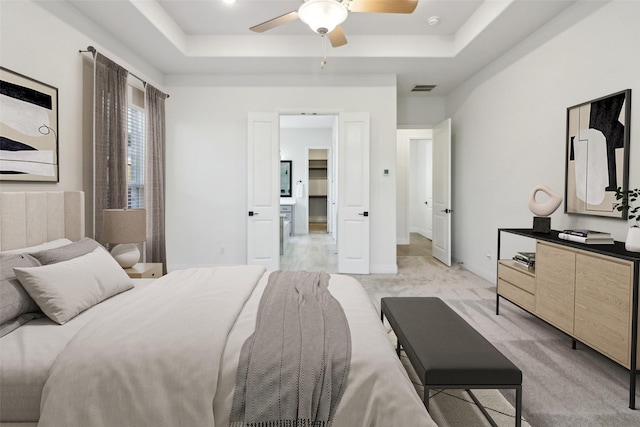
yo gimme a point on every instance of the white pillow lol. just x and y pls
(37, 248)
(67, 288)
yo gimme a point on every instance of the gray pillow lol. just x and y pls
(65, 289)
(67, 252)
(16, 306)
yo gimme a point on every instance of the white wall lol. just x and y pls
(509, 124)
(29, 47)
(35, 42)
(207, 163)
(419, 111)
(294, 145)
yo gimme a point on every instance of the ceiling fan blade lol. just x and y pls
(383, 6)
(272, 23)
(337, 37)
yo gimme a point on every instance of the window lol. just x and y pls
(135, 149)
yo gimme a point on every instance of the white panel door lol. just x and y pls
(353, 193)
(441, 242)
(263, 216)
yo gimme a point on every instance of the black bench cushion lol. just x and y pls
(443, 348)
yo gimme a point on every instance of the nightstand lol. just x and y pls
(145, 270)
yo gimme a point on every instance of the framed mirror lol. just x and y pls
(285, 178)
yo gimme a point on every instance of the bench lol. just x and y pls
(447, 353)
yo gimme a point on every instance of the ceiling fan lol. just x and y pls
(325, 16)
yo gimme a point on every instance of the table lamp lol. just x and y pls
(126, 227)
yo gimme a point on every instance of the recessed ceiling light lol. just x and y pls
(229, 1)
(433, 20)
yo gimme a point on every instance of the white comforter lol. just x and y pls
(169, 358)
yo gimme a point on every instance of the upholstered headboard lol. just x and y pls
(32, 218)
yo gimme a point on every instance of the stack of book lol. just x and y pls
(525, 259)
(590, 237)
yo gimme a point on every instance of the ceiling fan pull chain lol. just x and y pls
(324, 52)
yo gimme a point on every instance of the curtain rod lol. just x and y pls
(94, 52)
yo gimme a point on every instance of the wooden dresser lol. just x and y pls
(590, 292)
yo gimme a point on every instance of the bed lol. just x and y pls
(177, 350)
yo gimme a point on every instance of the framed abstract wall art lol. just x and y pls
(28, 129)
(597, 154)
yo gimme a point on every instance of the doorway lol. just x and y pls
(414, 213)
(350, 180)
(421, 187)
(440, 137)
(309, 142)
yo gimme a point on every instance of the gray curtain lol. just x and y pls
(155, 176)
(110, 139)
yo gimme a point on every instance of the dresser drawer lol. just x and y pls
(516, 295)
(520, 279)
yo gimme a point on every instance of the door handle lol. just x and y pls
(447, 210)
(364, 213)
(252, 213)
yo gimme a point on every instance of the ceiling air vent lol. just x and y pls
(423, 88)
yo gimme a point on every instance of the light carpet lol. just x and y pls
(561, 386)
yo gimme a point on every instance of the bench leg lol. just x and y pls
(482, 408)
(425, 399)
(398, 347)
(518, 416)
(519, 406)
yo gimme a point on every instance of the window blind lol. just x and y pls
(135, 157)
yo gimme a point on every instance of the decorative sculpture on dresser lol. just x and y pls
(542, 210)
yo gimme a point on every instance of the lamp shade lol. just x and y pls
(322, 16)
(124, 225)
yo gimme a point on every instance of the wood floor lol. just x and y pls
(317, 251)
(317, 227)
(418, 246)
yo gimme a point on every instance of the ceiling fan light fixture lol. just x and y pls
(322, 16)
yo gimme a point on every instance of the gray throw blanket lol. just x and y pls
(293, 369)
